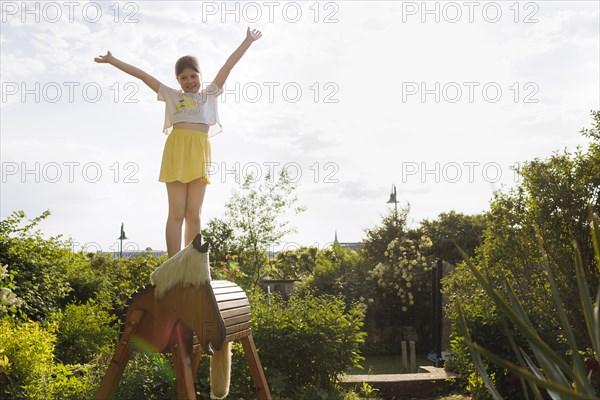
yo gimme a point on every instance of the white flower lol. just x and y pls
(9, 298)
(3, 271)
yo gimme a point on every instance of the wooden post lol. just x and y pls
(181, 349)
(117, 365)
(256, 370)
(404, 356)
(437, 312)
(195, 359)
(413, 357)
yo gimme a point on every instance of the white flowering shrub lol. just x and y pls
(9, 302)
(406, 271)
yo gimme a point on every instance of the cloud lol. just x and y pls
(15, 68)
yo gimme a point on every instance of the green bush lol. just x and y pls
(9, 301)
(147, 376)
(84, 332)
(110, 281)
(305, 342)
(29, 350)
(551, 202)
(75, 382)
(550, 371)
(28, 369)
(38, 263)
(336, 271)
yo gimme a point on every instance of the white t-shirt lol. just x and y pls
(200, 107)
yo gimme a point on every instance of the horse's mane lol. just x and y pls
(189, 267)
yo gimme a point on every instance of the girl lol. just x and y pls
(191, 114)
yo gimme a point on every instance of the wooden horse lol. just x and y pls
(184, 314)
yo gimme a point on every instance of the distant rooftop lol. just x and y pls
(350, 245)
(137, 253)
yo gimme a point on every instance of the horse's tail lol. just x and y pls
(220, 372)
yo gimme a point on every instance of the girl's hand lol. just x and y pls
(253, 35)
(104, 59)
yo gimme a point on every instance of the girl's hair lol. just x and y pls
(187, 62)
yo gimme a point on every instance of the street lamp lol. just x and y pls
(394, 200)
(121, 238)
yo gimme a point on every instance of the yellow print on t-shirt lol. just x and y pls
(186, 103)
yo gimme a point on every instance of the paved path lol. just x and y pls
(429, 374)
(423, 385)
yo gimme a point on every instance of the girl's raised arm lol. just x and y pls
(148, 79)
(221, 77)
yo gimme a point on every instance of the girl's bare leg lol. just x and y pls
(177, 193)
(193, 208)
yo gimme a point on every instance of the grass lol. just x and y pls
(391, 364)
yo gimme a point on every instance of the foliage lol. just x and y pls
(406, 266)
(452, 229)
(337, 271)
(29, 351)
(550, 203)
(255, 212)
(9, 302)
(147, 376)
(397, 285)
(551, 372)
(37, 264)
(220, 236)
(295, 264)
(85, 331)
(109, 282)
(306, 341)
(28, 369)
(554, 196)
(378, 238)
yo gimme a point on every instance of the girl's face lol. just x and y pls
(189, 80)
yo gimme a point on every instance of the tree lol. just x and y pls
(552, 201)
(37, 264)
(392, 226)
(550, 206)
(397, 287)
(294, 264)
(256, 212)
(336, 271)
(451, 229)
(219, 234)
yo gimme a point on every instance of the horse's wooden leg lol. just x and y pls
(113, 374)
(256, 370)
(181, 347)
(196, 362)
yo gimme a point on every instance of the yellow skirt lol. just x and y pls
(186, 156)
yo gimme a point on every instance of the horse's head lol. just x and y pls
(188, 267)
(198, 245)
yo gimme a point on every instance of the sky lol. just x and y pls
(440, 99)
